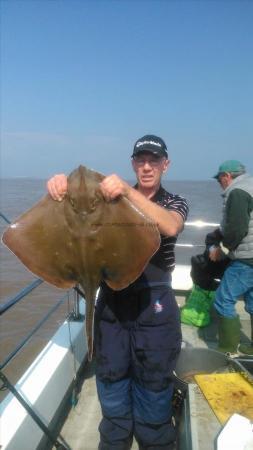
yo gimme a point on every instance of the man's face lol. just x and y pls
(149, 169)
(224, 179)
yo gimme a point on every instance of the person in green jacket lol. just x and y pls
(237, 243)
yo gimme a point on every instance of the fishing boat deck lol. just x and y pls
(80, 430)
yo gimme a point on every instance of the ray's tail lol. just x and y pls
(89, 322)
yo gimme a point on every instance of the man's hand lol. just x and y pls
(113, 186)
(215, 254)
(57, 186)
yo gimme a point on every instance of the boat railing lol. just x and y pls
(22, 294)
(189, 243)
(197, 224)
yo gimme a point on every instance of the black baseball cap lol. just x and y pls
(152, 144)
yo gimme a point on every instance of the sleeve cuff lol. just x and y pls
(225, 250)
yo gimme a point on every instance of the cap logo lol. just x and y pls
(148, 142)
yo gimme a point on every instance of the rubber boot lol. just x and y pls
(247, 349)
(228, 334)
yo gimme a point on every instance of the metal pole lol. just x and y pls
(20, 295)
(76, 304)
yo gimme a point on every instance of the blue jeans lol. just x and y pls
(237, 281)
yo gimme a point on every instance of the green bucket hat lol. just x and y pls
(230, 166)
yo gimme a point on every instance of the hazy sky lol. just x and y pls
(82, 80)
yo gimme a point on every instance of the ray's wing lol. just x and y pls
(64, 247)
(40, 238)
(129, 240)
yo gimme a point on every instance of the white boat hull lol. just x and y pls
(43, 386)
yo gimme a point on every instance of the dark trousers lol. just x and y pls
(138, 340)
(205, 272)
